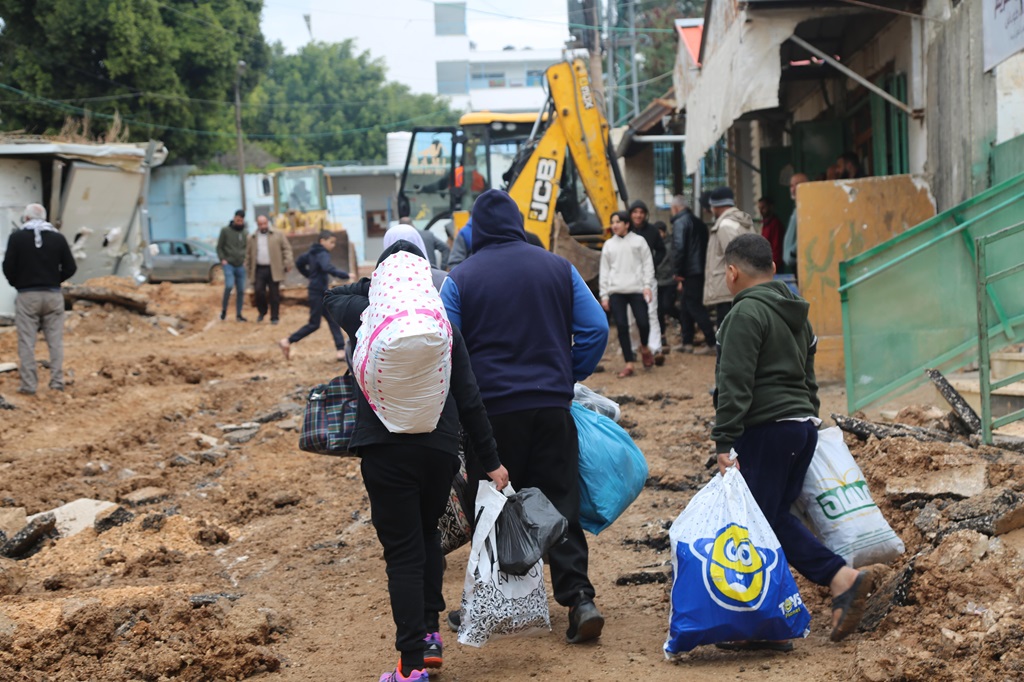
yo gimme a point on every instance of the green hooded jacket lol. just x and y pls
(765, 369)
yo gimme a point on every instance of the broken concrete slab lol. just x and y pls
(892, 592)
(8, 367)
(283, 410)
(993, 512)
(958, 481)
(182, 461)
(26, 541)
(144, 496)
(95, 468)
(291, 424)
(12, 519)
(111, 517)
(243, 436)
(228, 428)
(213, 456)
(74, 517)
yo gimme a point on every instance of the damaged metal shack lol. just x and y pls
(95, 194)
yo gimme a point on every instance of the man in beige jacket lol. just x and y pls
(268, 258)
(730, 222)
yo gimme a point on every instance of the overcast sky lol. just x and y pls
(491, 24)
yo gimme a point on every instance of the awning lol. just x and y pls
(649, 122)
(126, 156)
(740, 76)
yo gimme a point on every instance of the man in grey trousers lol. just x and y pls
(37, 260)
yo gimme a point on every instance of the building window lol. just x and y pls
(534, 78)
(488, 79)
(450, 19)
(712, 170)
(452, 78)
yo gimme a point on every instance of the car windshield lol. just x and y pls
(202, 249)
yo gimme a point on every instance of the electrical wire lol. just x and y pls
(62, 106)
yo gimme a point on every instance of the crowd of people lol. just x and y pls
(512, 384)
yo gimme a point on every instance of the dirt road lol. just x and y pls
(283, 537)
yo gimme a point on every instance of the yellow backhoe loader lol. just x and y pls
(558, 166)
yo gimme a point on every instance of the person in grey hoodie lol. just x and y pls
(730, 222)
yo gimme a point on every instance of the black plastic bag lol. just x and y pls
(545, 523)
(527, 527)
(518, 550)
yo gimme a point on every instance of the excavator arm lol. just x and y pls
(579, 126)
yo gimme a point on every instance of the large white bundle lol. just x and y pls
(403, 356)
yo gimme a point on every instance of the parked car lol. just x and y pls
(182, 261)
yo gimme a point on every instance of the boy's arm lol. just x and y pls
(809, 378)
(740, 344)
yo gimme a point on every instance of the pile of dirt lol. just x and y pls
(245, 557)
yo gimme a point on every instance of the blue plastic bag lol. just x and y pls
(612, 469)
(730, 578)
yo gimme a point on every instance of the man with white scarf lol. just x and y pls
(38, 259)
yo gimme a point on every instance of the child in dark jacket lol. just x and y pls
(316, 266)
(766, 422)
(408, 477)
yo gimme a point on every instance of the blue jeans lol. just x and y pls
(234, 276)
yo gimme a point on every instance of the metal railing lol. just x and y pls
(1004, 333)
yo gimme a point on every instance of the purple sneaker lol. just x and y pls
(433, 649)
(397, 676)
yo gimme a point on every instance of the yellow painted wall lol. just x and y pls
(838, 219)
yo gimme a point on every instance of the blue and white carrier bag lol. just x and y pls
(730, 578)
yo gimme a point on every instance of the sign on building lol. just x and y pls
(1003, 27)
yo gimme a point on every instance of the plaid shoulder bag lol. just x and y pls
(330, 417)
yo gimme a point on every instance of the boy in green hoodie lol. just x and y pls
(766, 418)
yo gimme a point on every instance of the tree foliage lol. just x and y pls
(658, 56)
(148, 60)
(339, 101)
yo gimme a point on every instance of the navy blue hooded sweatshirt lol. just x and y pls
(531, 325)
(316, 265)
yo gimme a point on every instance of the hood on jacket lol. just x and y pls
(400, 245)
(496, 220)
(407, 233)
(741, 217)
(776, 295)
(639, 204)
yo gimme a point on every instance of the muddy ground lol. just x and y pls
(253, 560)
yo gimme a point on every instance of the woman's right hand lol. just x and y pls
(499, 476)
(605, 304)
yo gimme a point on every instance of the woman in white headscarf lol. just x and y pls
(412, 235)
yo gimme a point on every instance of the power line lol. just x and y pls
(62, 106)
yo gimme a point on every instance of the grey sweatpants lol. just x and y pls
(36, 311)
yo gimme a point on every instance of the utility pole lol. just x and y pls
(238, 128)
(596, 76)
(632, 57)
(612, 91)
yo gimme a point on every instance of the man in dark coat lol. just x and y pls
(690, 245)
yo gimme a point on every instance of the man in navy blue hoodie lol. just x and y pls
(316, 266)
(532, 329)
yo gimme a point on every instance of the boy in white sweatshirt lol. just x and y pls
(627, 281)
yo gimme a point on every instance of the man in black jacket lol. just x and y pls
(38, 259)
(690, 244)
(638, 222)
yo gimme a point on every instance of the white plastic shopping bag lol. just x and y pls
(402, 361)
(493, 602)
(730, 578)
(654, 337)
(836, 500)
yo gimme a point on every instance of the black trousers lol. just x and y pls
(316, 312)
(694, 312)
(620, 303)
(263, 283)
(540, 449)
(666, 307)
(408, 488)
(774, 458)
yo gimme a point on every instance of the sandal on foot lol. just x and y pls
(756, 645)
(628, 372)
(850, 605)
(648, 358)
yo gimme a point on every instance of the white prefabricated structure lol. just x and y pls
(95, 194)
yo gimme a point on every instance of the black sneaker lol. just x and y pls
(454, 620)
(260, 318)
(223, 314)
(239, 318)
(585, 622)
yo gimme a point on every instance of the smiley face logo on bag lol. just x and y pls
(737, 574)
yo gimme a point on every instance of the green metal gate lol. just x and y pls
(911, 303)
